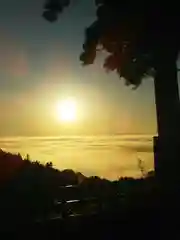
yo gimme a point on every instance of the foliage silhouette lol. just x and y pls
(135, 35)
(142, 41)
(53, 8)
(30, 195)
(31, 189)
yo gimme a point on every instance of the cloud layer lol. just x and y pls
(107, 156)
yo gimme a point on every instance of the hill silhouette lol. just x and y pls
(45, 198)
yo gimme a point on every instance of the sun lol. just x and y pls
(67, 110)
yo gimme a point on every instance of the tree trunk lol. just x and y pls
(167, 144)
(167, 98)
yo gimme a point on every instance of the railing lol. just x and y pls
(73, 204)
(68, 204)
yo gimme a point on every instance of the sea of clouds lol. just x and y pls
(105, 156)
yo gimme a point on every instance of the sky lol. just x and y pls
(39, 67)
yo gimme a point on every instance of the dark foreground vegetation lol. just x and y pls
(38, 199)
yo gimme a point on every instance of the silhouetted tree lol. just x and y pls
(33, 192)
(141, 167)
(142, 39)
(37, 163)
(53, 7)
(49, 164)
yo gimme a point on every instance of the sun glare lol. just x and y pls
(67, 110)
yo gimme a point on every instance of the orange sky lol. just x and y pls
(39, 65)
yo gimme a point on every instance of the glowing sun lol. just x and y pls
(67, 110)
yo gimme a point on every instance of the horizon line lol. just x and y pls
(78, 135)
